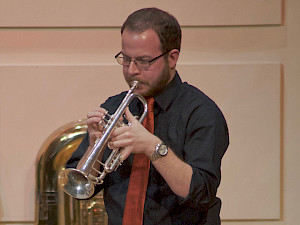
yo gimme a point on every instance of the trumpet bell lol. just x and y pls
(75, 183)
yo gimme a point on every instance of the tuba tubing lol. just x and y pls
(80, 182)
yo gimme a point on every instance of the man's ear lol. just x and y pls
(173, 57)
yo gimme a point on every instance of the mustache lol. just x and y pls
(130, 82)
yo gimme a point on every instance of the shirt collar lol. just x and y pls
(165, 97)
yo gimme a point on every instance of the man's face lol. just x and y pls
(146, 46)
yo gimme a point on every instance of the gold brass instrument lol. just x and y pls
(80, 182)
(53, 206)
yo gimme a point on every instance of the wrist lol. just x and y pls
(158, 150)
(151, 145)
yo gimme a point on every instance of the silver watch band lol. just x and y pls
(154, 157)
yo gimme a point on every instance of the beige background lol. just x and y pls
(56, 63)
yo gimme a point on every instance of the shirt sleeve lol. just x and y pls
(206, 142)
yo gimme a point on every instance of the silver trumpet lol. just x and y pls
(80, 182)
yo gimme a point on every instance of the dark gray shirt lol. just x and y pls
(192, 125)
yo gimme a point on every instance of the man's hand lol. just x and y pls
(134, 138)
(94, 117)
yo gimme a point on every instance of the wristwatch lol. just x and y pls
(161, 150)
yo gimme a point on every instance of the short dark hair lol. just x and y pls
(163, 23)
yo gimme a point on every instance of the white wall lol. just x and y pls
(245, 54)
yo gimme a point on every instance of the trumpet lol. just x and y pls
(80, 182)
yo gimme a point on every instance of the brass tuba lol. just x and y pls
(53, 206)
(80, 182)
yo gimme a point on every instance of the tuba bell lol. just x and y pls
(80, 182)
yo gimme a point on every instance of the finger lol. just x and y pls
(97, 134)
(123, 143)
(124, 155)
(96, 113)
(93, 129)
(120, 133)
(94, 133)
(94, 117)
(93, 121)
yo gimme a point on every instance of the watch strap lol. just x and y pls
(156, 155)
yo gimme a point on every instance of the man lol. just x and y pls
(188, 126)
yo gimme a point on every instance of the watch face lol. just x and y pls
(163, 150)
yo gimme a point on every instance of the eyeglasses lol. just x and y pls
(140, 63)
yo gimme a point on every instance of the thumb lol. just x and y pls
(129, 116)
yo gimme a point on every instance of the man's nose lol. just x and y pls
(132, 68)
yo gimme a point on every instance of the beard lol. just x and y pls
(160, 83)
(163, 79)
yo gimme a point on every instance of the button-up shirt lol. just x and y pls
(193, 126)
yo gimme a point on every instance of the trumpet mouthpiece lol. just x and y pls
(135, 84)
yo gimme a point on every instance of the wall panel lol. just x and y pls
(90, 13)
(36, 100)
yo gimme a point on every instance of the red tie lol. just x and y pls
(136, 193)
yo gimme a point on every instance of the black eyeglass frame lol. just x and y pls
(138, 65)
